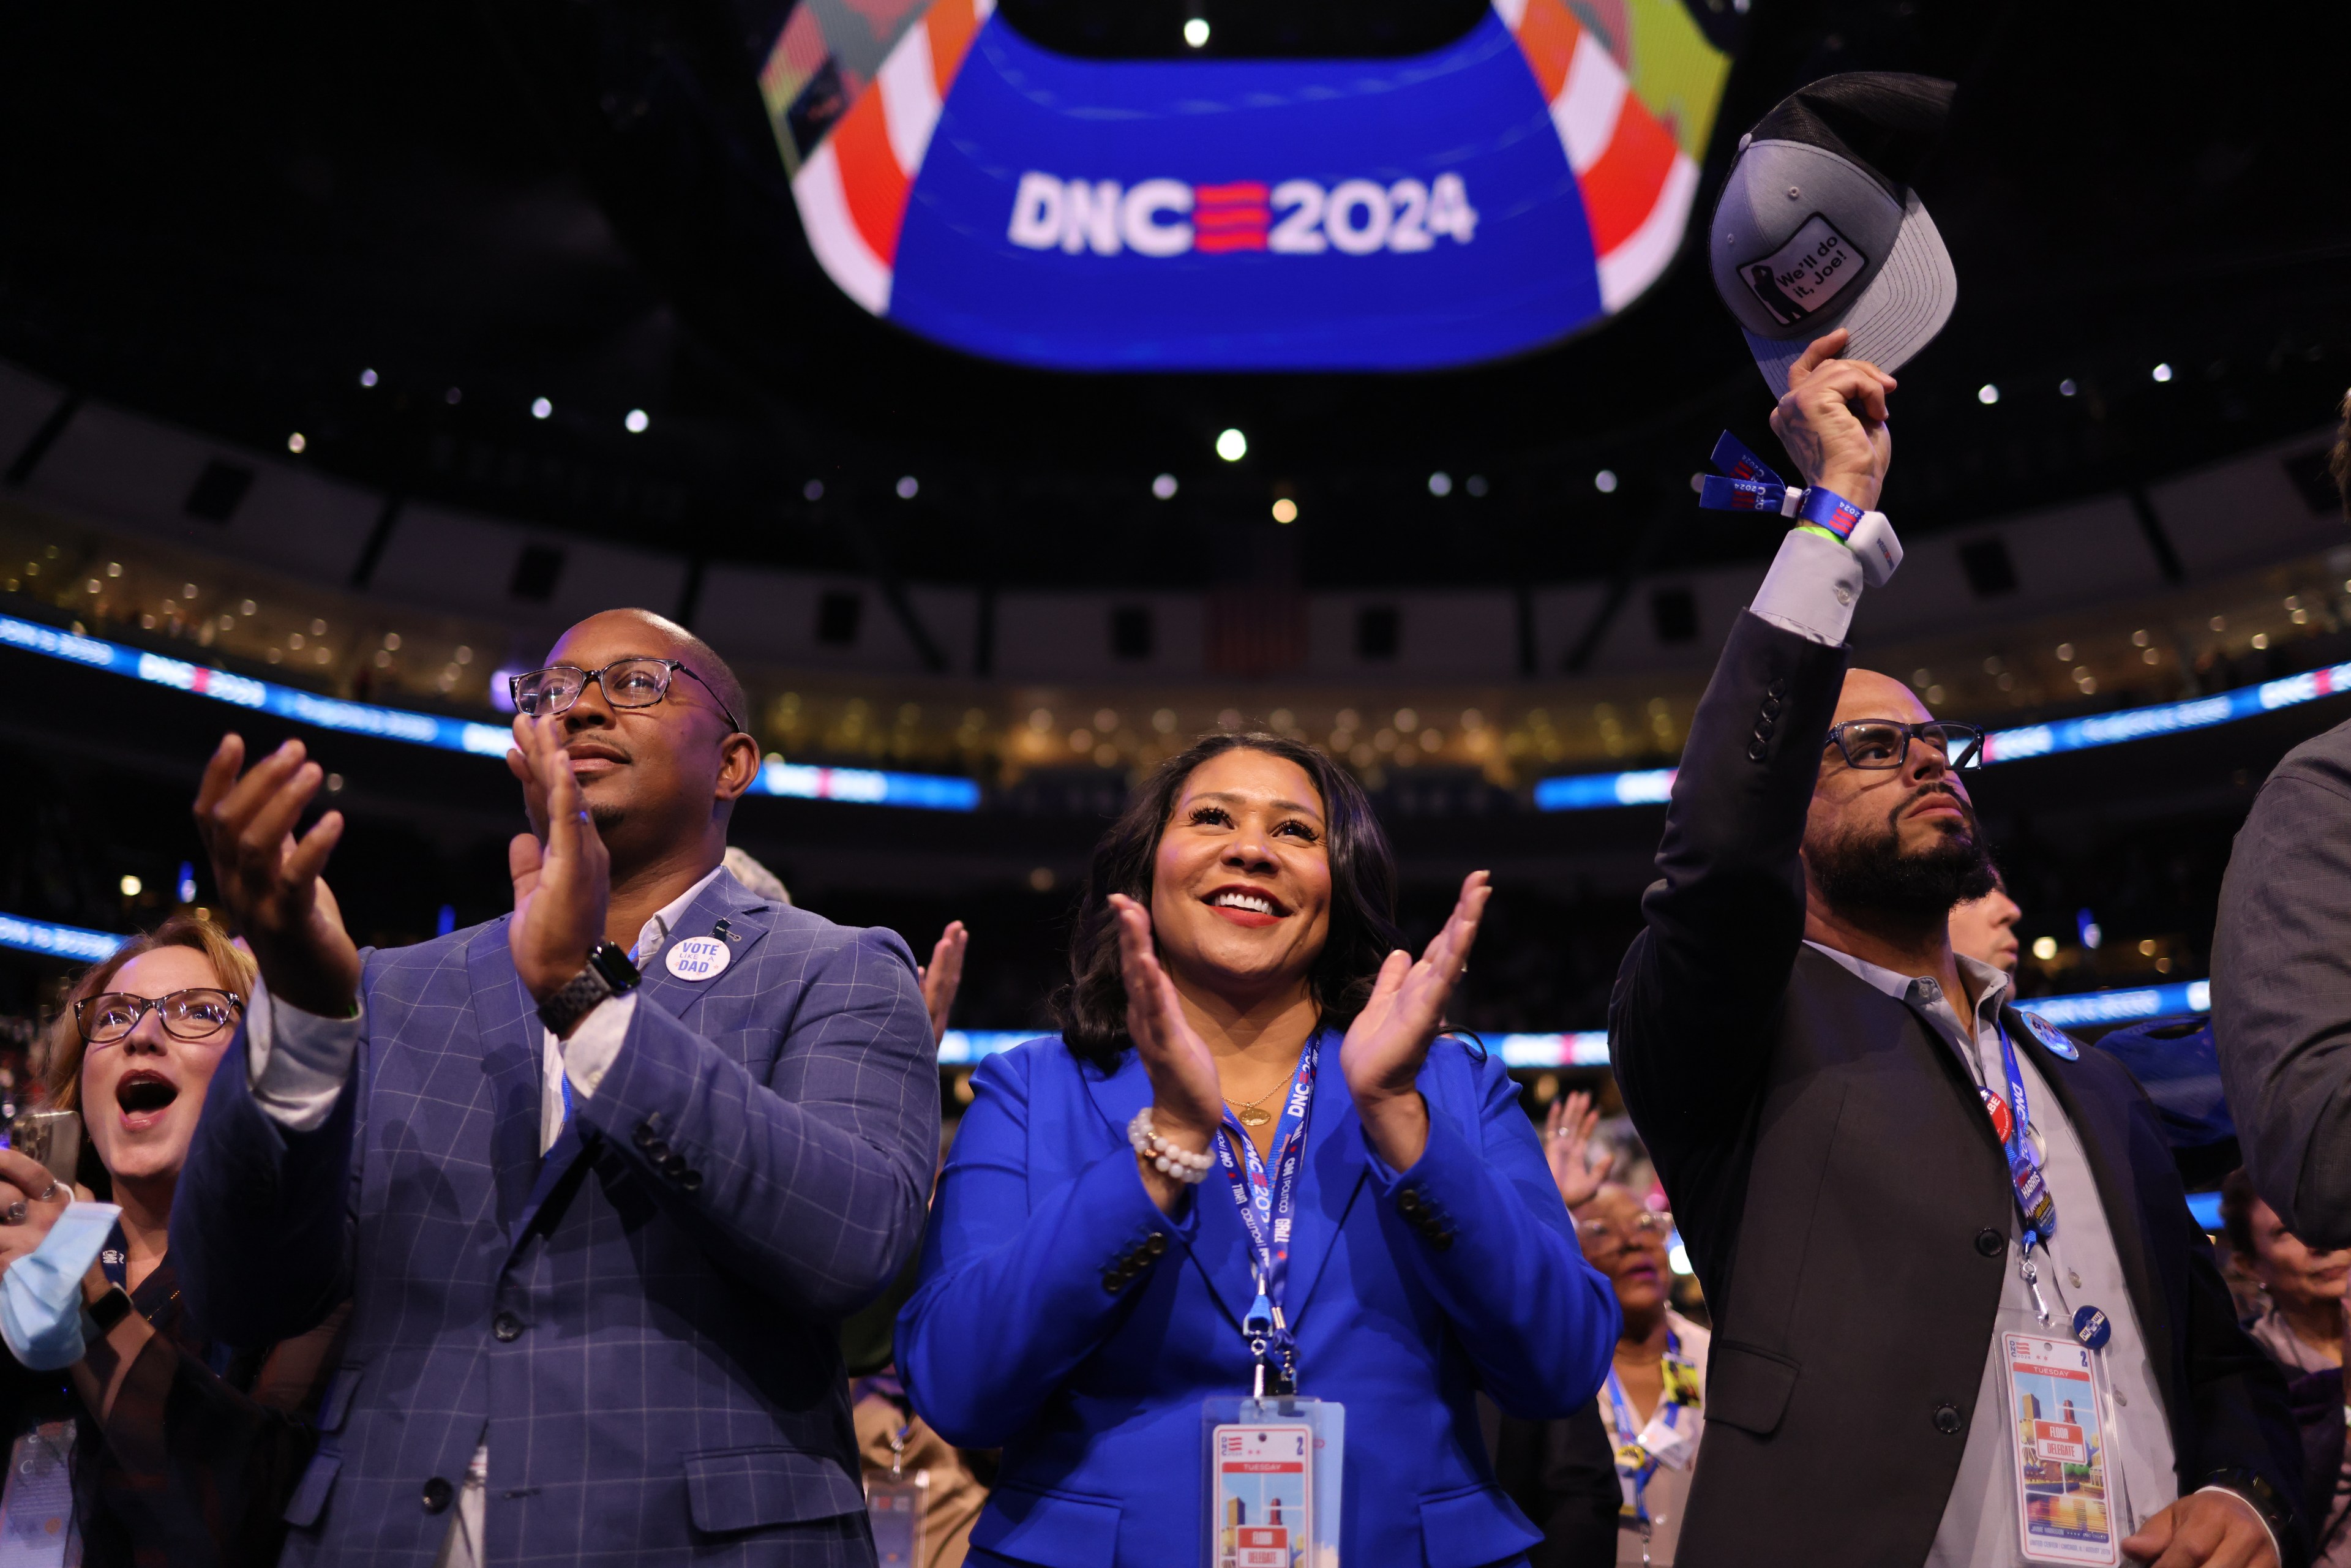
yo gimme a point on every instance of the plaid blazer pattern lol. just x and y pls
(644, 1323)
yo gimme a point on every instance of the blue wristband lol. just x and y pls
(1827, 509)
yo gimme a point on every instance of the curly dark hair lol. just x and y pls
(1091, 1008)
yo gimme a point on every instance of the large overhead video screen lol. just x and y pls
(1527, 177)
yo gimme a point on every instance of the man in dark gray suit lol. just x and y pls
(599, 1178)
(1876, 1162)
(2281, 975)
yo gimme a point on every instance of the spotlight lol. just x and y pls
(2044, 948)
(367, 378)
(2163, 373)
(1285, 510)
(1604, 481)
(2066, 387)
(131, 886)
(1987, 395)
(453, 396)
(1164, 486)
(1440, 483)
(1232, 446)
(814, 490)
(296, 441)
(636, 422)
(1196, 32)
(541, 408)
(908, 487)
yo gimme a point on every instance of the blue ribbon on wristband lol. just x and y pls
(1827, 509)
(1750, 484)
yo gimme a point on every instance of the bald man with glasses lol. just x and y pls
(600, 1177)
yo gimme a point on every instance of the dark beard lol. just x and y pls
(1867, 875)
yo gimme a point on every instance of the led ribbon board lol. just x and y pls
(1527, 180)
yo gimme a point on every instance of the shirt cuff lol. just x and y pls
(2277, 1553)
(1813, 586)
(587, 1055)
(296, 1061)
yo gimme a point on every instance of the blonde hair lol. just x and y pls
(192, 929)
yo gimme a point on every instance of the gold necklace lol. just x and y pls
(1251, 1115)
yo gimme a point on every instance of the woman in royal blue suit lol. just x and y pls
(1237, 993)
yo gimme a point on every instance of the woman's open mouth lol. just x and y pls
(1247, 905)
(143, 1097)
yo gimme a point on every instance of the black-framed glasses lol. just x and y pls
(1883, 743)
(198, 1013)
(625, 683)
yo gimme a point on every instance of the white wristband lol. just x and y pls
(1170, 1158)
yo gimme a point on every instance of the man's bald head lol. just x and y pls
(662, 638)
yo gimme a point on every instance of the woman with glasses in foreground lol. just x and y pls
(1250, 1162)
(181, 1451)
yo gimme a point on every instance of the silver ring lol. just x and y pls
(15, 1214)
(46, 1194)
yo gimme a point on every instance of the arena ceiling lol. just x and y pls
(224, 216)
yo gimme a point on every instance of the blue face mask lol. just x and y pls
(40, 1295)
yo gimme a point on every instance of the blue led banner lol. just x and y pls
(867, 785)
(1530, 178)
(1653, 786)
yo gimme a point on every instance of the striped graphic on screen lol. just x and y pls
(1230, 217)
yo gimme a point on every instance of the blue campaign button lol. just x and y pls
(2091, 1327)
(2059, 1042)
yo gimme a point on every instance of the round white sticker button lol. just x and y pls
(697, 957)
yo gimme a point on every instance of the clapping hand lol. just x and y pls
(1567, 1140)
(1389, 1039)
(1833, 421)
(562, 881)
(269, 879)
(1187, 1098)
(942, 976)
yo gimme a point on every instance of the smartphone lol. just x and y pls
(52, 1137)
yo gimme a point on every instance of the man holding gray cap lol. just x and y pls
(1963, 1316)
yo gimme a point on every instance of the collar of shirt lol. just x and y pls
(653, 936)
(1926, 993)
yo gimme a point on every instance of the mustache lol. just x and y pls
(1967, 807)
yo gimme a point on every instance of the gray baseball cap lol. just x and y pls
(1817, 227)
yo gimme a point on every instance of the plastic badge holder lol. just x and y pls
(1271, 1472)
(36, 1512)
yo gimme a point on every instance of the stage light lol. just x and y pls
(1477, 485)
(814, 490)
(131, 886)
(2066, 387)
(541, 408)
(637, 422)
(187, 882)
(908, 487)
(1232, 446)
(296, 441)
(1987, 395)
(1164, 486)
(1604, 481)
(367, 378)
(1285, 510)
(2044, 948)
(2163, 373)
(1196, 32)
(1440, 483)
(453, 397)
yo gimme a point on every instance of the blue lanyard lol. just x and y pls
(1267, 1201)
(1634, 1479)
(2034, 1202)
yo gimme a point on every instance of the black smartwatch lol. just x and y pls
(609, 974)
(108, 1310)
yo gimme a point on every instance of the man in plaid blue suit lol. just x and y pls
(598, 1234)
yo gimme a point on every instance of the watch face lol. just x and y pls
(612, 966)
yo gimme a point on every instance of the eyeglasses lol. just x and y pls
(1649, 1222)
(196, 1014)
(625, 683)
(1882, 743)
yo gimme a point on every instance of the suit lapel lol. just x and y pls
(747, 919)
(511, 1036)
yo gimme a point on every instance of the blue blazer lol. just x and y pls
(645, 1321)
(1064, 1319)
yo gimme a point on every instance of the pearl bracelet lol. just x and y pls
(1171, 1159)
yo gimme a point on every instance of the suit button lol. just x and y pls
(1442, 1240)
(673, 1166)
(1155, 1244)
(1408, 1200)
(1990, 1242)
(1771, 706)
(656, 1150)
(653, 1120)
(690, 1182)
(642, 1137)
(1776, 689)
(507, 1327)
(436, 1495)
(1762, 729)
(1757, 752)
(1947, 1420)
(1113, 1280)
